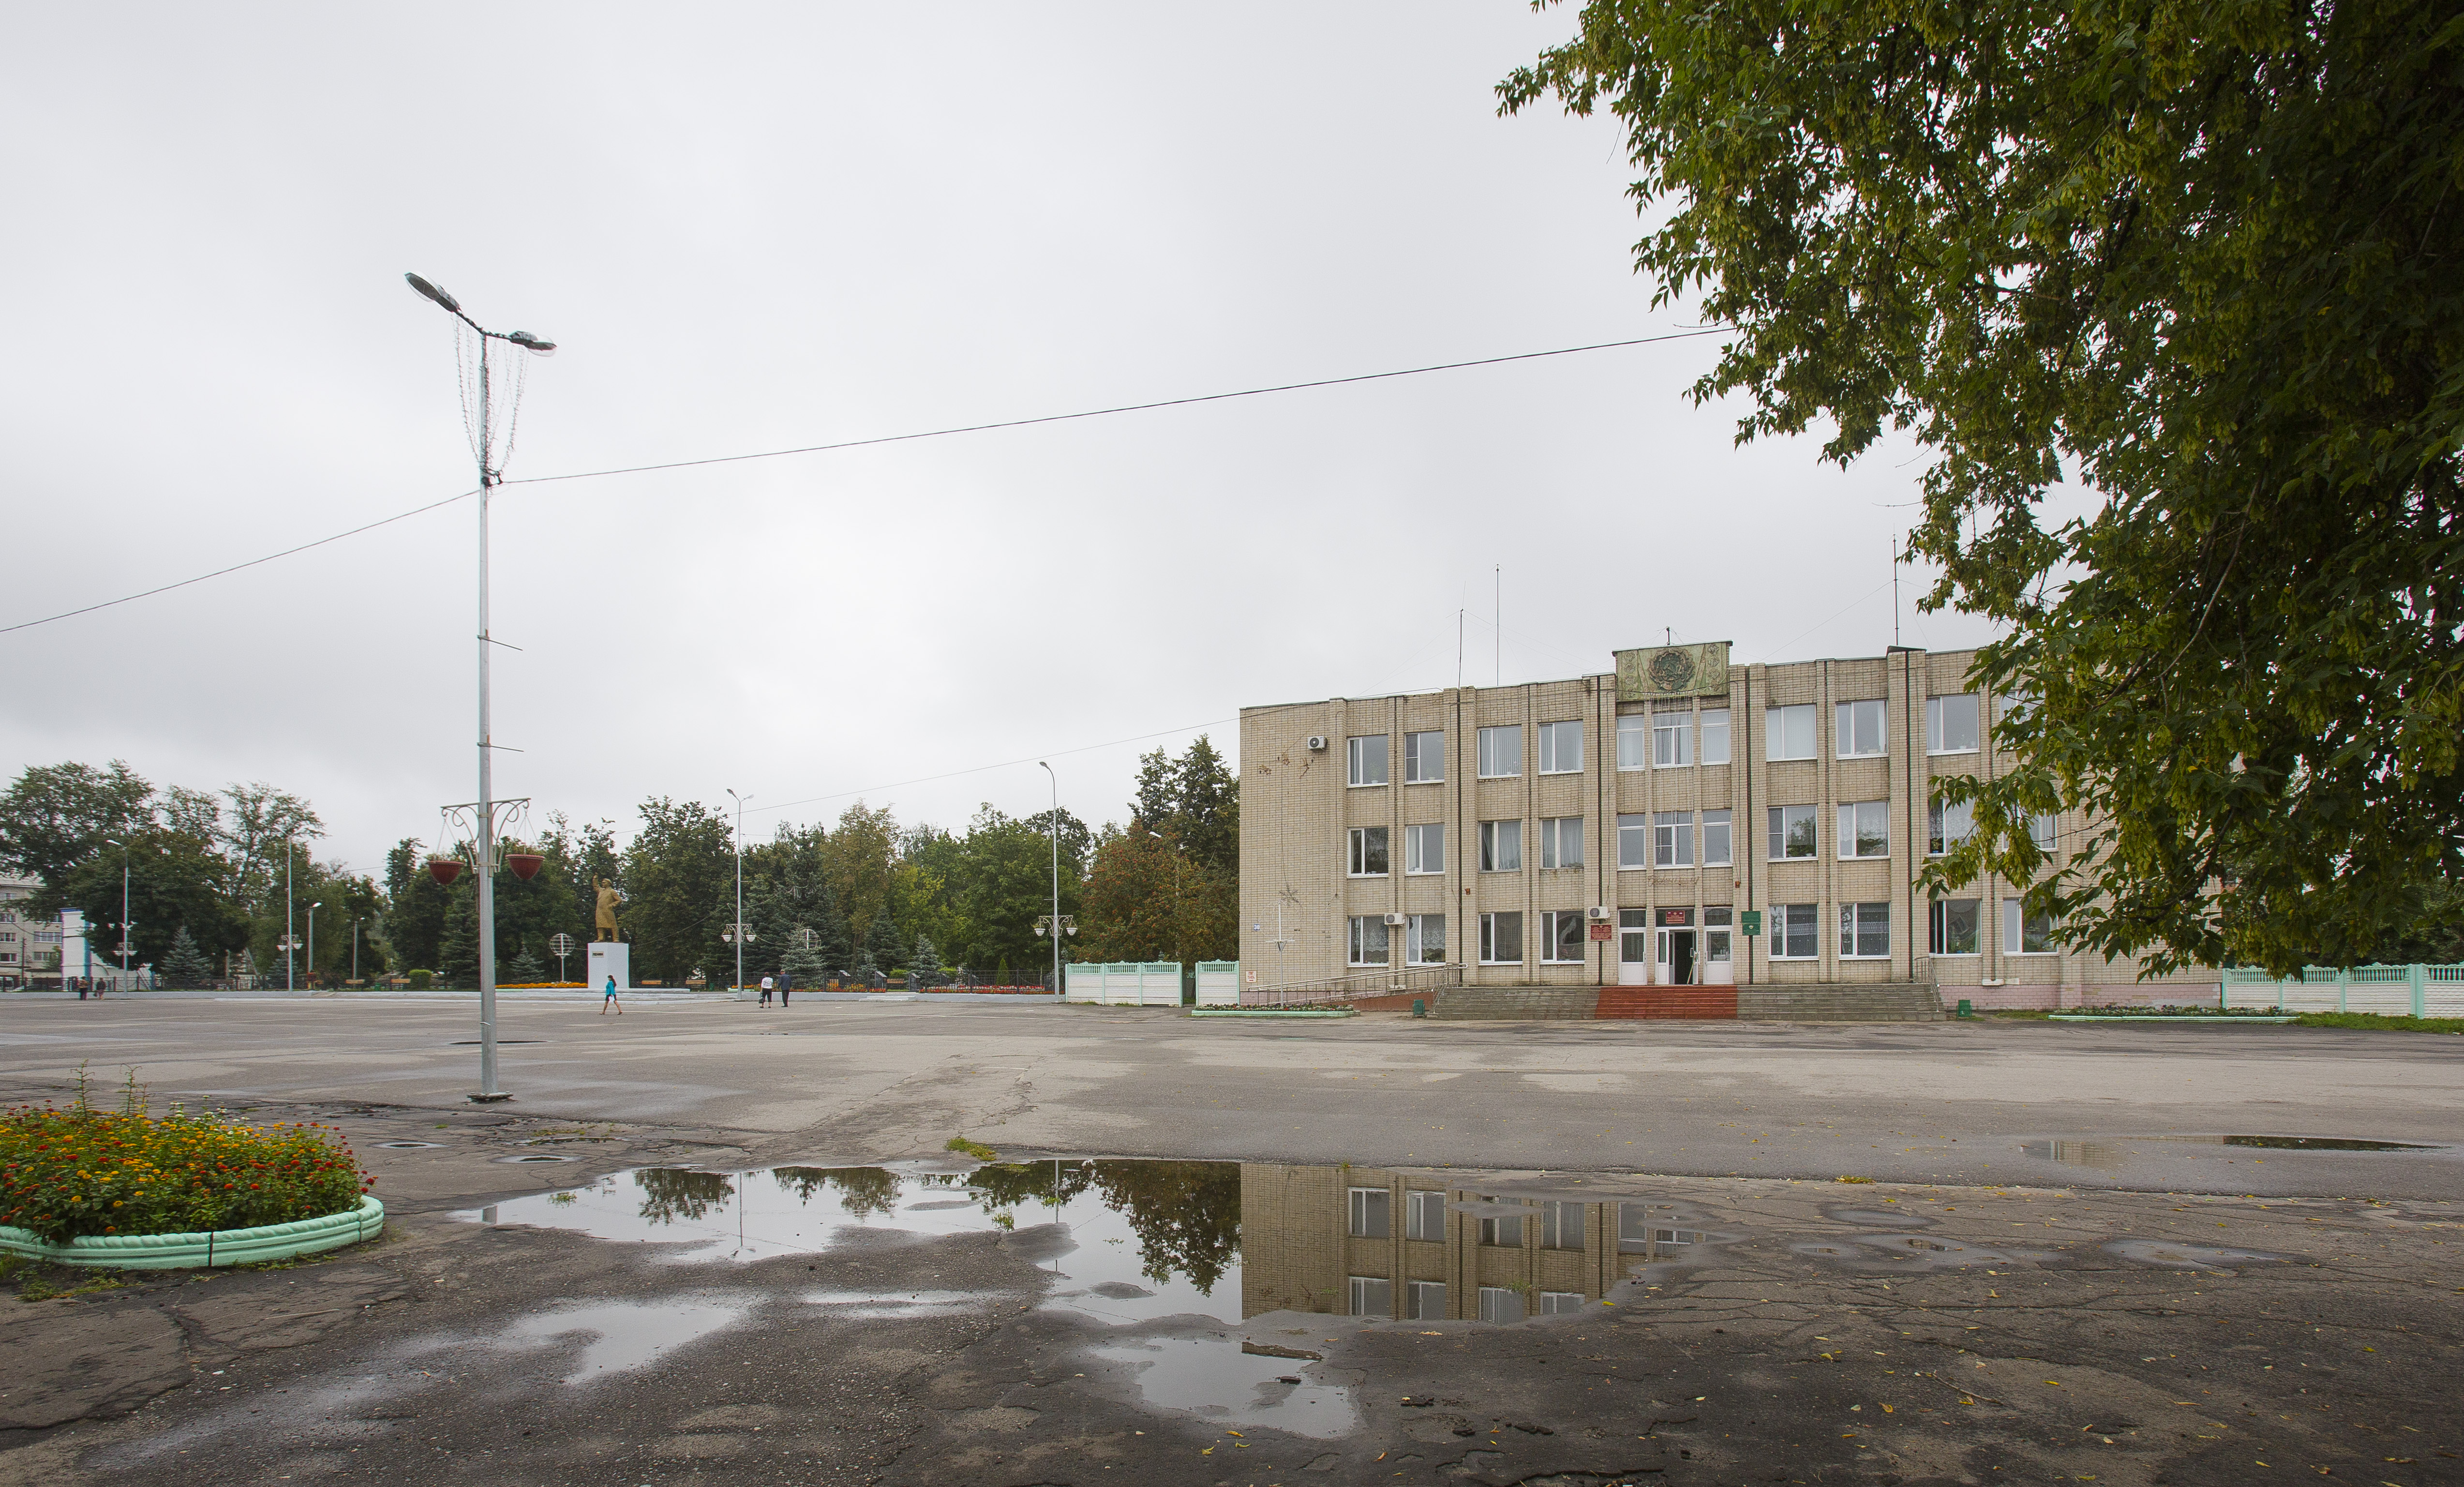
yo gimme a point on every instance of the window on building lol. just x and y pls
(2045, 830)
(1424, 940)
(1561, 1225)
(1788, 732)
(1954, 927)
(1371, 1213)
(1500, 939)
(1857, 730)
(1424, 758)
(1633, 841)
(1501, 1303)
(1792, 832)
(1634, 1228)
(1949, 823)
(1365, 759)
(1865, 829)
(1561, 748)
(1368, 852)
(1501, 751)
(1561, 842)
(1424, 1216)
(1503, 1231)
(1562, 935)
(1950, 723)
(1424, 848)
(1672, 838)
(1672, 739)
(1865, 931)
(1716, 947)
(1373, 1295)
(1369, 939)
(1717, 851)
(1633, 740)
(1427, 1300)
(1558, 1303)
(1715, 735)
(1793, 932)
(1501, 846)
(2024, 933)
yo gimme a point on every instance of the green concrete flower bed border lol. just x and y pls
(1272, 1011)
(219, 1247)
(2161, 1017)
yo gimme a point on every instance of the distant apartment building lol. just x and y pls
(1677, 821)
(29, 948)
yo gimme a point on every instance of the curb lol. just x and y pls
(2137, 1017)
(219, 1247)
(1272, 1011)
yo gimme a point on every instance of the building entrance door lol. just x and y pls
(1675, 958)
(1634, 949)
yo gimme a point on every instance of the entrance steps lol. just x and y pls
(1868, 1001)
(1516, 1003)
(1666, 1002)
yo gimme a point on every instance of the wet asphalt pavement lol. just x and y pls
(727, 1294)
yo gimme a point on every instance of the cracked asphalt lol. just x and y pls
(2056, 1270)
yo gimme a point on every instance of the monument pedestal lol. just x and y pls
(610, 958)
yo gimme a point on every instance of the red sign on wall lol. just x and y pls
(1601, 931)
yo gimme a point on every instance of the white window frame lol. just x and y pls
(1672, 742)
(1634, 842)
(1503, 1231)
(1710, 729)
(1357, 843)
(1559, 1303)
(1489, 927)
(1944, 815)
(1425, 1300)
(1561, 1224)
(1855, 725)
(1371, 1296)
(1943, 712)
(1719, 826)
(1937, 929)
(1425, 756)
(1556, 833)
(1424, 1214)
(1672, 840)
(1788, 728)
(1854, 921)
(1356, 758)
(1500, 1304)
(1777, 822)
(1499, 842)
(1633, 740)
(2015, 922)
(1424, 849)
(1552, 922)
(1784, 920)
(1418, 933)
(1854, 815)
(1373, 1213)
(1496, 742)
(1355, 948)
(1557, 741)
(2045, 829)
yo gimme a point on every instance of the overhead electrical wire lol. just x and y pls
(886, 438)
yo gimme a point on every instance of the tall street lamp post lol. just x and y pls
(312, 940)
(1058, 928)
(484, 444)
(126, 928)
(735, 931)
(355, 946)
(290, 900)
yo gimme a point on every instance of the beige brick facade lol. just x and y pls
(1299, 896)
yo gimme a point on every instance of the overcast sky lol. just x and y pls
(754, 226)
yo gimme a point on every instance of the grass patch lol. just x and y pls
(975, 1150)
(65, 1173)
(2372, 1022)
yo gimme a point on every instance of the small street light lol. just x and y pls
(561, 944)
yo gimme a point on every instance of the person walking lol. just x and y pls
(610, 999)
(767, 986)
(787, 984)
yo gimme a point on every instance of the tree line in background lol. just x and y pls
(212, 874)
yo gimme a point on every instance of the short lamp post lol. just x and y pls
(1043, 923)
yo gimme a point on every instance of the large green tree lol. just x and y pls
(2209, 261)
(55, 817)
(680, 881)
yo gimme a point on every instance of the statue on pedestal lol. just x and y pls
(608, 898)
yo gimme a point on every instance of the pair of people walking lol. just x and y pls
(782, 984)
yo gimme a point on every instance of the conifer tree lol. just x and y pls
(185, 965)
(923, 964)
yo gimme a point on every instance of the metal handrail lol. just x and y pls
(1389, 982)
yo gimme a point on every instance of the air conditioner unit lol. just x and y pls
(1598, 916)
(1317, 742)
(1395, 919)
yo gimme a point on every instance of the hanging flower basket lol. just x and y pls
(525, 864)
(445, 870)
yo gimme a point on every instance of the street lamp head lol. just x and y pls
(532, 343)
(430, 290)
(315, 906)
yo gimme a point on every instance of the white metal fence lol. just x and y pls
(2389, 990)
(1125, 982)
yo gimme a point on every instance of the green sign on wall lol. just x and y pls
(1750, 921)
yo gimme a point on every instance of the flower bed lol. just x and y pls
(68, 1174)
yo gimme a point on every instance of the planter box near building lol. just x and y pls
(1626, 829)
